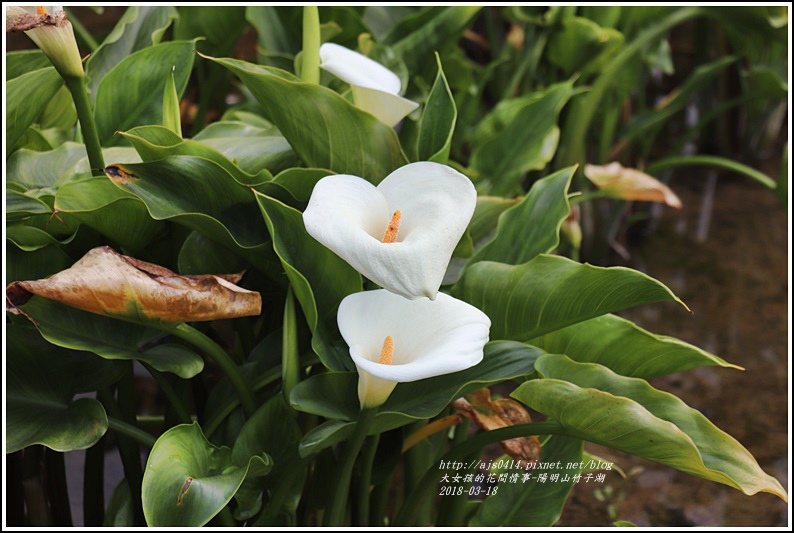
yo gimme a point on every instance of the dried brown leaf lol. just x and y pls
(506, 412)
(630, 184)
(108, 283)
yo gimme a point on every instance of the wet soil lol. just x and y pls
(726, 255)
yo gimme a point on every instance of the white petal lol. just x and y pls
(357, 69)
(387, 107)
(349, 216)
(431, 338)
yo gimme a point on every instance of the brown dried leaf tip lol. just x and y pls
(489, 415)
(108, 283)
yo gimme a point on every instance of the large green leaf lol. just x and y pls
(188, 480)
(156, 142)
(24, 61)
(41, 381)
(531, 503)
(109, 338)
(625, 348)
(139, 27)
(278, 43)
(202, 195)
(300, 182)
(37, 264)
(114, 213)
(551, 292)
(519, 135)
(627, 414)
(20, 206)
(201, 255)
(319, 278)
(438, 121)
(131, 94)
(26, 97)
(324, 129)
(532, 226)
(416, 37)
(250, 147)
(333, 395)
(43, 169)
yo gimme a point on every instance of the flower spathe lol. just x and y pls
(48, 27)
(351, 216)
(376, 89)
(428, 338)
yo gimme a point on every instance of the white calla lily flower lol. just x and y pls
(53, 34)
(394, 340)
(376, 89)
(400, 234)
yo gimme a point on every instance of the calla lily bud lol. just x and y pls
(108, 283)
(48, 27)
(394, 340)
(400, 234)
(376, 89)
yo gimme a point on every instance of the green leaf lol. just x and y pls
(60, 112)
(324, 129)
(20, 206)
(628, 414)
(438, 121)
(277, 41)
(26, 97)
(625, 348)
(29, 238)
(531, 503)
(116, 214)
(202, 195)
(519, 135)
(532, 226)
(333, 395)
(418, 36)
(24, 61)
(188, 480)
(319, 278)
(38, 264)
(131, 93)
(623, 523)
(138, 28)
(581, 45)
(272, 430)
(44, 169)
(552, 292)
(486, 216)
(41, 382)
(251, 148)
(220, 26)
(201, 255)
(120, 512)
(109, 338)
(172, 118)
(154, 143)
(300, 182)
(329, 433)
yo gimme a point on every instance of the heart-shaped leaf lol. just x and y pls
(438, 121)
(188, 480)
(26, 97)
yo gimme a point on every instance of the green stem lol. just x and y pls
(290, 357)
(223, 360)
(57, 489)
(335, 513)
(82, 104)
(577, 125)
(81, 32)
(93, 485)
(173, 398)
(130, 431)
(367, 459)
(423, 490)
(310, 58)
(712, 161)
(220, 415)
(381, 495)
(128, 436)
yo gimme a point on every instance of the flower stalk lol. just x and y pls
(310, 58)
